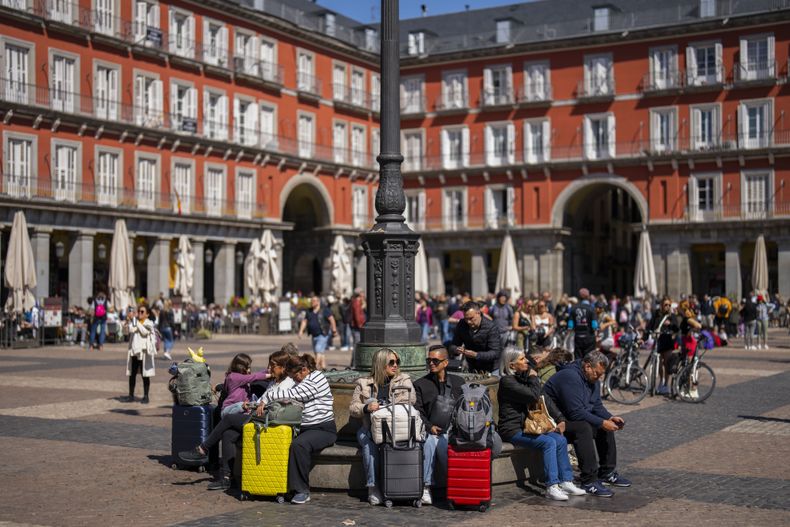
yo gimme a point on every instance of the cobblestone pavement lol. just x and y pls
(74, 455)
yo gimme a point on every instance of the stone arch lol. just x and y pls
(319, 193)
(558, 209)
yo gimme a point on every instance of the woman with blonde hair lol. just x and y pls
(522, 322)
(370, 394)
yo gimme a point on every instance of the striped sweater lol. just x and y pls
(313, 392)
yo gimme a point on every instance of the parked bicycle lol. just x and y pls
(626, 382)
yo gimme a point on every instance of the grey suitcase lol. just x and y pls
(400, 466)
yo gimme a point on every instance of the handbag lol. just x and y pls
(442, 411)
(407, 418)
(538, 420)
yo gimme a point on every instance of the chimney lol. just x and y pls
(424, 9)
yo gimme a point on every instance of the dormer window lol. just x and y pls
(329, 24)
(371, 39)
(601, 19)
(503, 28)
(417, 43)
(707, 8)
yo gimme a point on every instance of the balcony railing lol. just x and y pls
(595, 87)
(468, 222)
(452, 103)
(712, 76)
(308, 84)
(744, 72)
(494, 98)
(259, 69)
(746, 211)
(535, 93)
(659, 81)
(347, 95)
(412, 104)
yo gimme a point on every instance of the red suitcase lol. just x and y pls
(469, 478)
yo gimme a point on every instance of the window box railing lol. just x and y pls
(308, 84)
(534, 93)
(595, 87)
(745, 72)
(450, 103)
(496, 98)
(663, 81)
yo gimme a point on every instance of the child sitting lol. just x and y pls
(237, 384)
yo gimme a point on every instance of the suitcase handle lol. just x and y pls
(412, 426)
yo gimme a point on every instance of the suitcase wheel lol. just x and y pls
(174, 466)
(418, 503)
(201, 469)
(482, 508)
(244, 496)
(388, 504)
(280, 499)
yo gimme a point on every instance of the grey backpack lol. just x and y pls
(472, 426)
(193, 384)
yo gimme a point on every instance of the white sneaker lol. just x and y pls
(426, 496)
(343, 348)
(374, 496)
(556, 493)
(571, 490)
(168, 356)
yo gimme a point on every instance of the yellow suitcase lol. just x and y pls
(264, 460)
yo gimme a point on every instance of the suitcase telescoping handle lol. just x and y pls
(412, 429)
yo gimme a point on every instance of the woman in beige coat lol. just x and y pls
(370, 394)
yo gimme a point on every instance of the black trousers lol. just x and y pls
(137, 367)
(589, 441)
(229, 431)
(582, 345)
(310, 440)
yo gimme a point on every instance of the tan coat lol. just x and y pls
(364, 389)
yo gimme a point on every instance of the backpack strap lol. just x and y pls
(257, 441)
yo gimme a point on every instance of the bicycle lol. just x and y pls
(694, 381)
(626, 382)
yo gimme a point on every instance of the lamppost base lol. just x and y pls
(412, 356)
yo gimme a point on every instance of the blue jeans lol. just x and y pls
(434, 449)
(344, 333)
(320, 343)
(370, 455)
(426, 331)
(556, 465)
(444, 327)
(167, 339)
(101, 324)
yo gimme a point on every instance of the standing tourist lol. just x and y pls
(142, 351)
(584, 324)
(320, 325)
(99, 322)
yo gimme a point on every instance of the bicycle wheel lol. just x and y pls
(627, 384)
(694, 384)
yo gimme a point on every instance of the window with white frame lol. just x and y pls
(707, 8)
(215, 43)
(17, 66)
(104, 16)
(756, 194)
(499, 206)
(215, 190)
(148, 104)
(107, 93)
(599, 136)
(537, 140)
(304, 73)
(371, 39)
(268, 127)
(375, 92)
(500, 144)
(268, 60)
(411, 95)
(215, 115)
(755, 123)
(359, 206)
(703, 64)
(454, 214)
(245, 193)
(147, 30)
(245, 121)
(663, 129)
(375, 147)
(145, 182)
(601, 19)
(65, 159)
(340, 142)
(245, 53)
(330, 28)
(183, 108)
(182, 33)
(19, 166)
(454, 89)
(663, 68)
(757, 58)
(416, 43)
(64, 79)
(455, 147)
(339, 91)
(61, 11)
(497, 85)
(415, 210)
(412, 150)
(537, 83)
(598, 75)
(705, 127)
(358, 145)
(108, 170)
(182, 186)
(503, 31)
(306, 134)
(704, 196)
(358, 87)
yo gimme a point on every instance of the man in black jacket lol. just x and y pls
(436, 393)
(477, 338)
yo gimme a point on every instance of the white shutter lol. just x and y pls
(222, 46)
(412, 44)
(546, 139)
(719, 63)
(612, 136)
(465, 147)
(511, 144)
(691, 65)
(222, 117)
(488, 89)
(158, 103)
(175, 118)
(489, 142)
(236, 120)
(589, 141)
(490, 208)
(693, 198)
(511, 206)
(771, 55)
(139, 99)
(112, 94)
(509, 83)
(253, 53)
(445, 149)
(206, 113)
(140, 18)
(252, 123)
(192, 95)
(420, 219)
(172, 33)
(746, 71)
(743, 125)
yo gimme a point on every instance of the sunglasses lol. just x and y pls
(433, 361)
(393, 362)
(142, 311)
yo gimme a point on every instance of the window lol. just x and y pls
(246, 53)
(339, 82)
(359, 206)
(663, 68)
(601, 19)
(107, 93)
(215, 115)
(215, 43)
(183, 108)
(598, 75)
(497, 85)
(19, 169)
(412, 150)
(371, 39)
(245, 122)
(104, 16)
(757, 58)
(182, 33)
(500, 144)
(145, 184)
(416, 43)
(60, 11)
(268, 127)
(705, 127)
(64, 79)
(537, 84)
(499, 207)
(703, 64)
(454, 90)
(305, 80)
(599, 136)
(375, 92)
(358, 87)
(704, 192)
(329, 24)
(411, 95)
(245, 193)
(415, 210)
(147, 101)
(663, 130)
(17, 66)
(503, 31)
(64, 172)
(147, 30)
(306, 135)
(707, 8)
(454, 209)
(182, 187)
(340, 142)
(755, 124)
(375, 147)
(537, 140)
(268, 64)
(358, 145)
(215, 190)
(455, 148)
(756, 194)
(108, 166)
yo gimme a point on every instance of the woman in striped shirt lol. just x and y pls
(318, 430)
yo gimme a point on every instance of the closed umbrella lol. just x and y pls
(252, 270)
(645, 284)
(270, 271)
(20, 267)
(121, 282)
(438, 283)
(421, 270)
(185, 269)
(341, 269)
(760, 267)
(507, 276)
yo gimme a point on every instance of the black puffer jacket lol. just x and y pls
(485, 340)
(517, 395)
